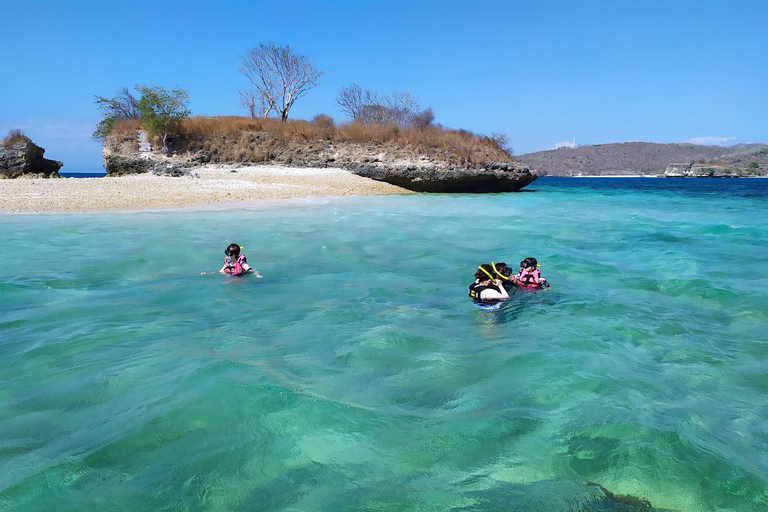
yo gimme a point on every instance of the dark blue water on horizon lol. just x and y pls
(357, 375)
(698, 187)
(82, 174)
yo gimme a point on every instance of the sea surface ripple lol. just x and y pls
(357, 375)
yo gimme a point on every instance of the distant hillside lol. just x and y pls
(640, 158)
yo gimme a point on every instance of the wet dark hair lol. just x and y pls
(482, 276)
(503, 270)
(529, 262)
(232, 250)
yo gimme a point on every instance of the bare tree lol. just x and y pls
(502, 141)
(255, 103)
(423, 118)
(354, 102)
(123, 106)
(400, 109)
(402, 106)
(280, 77)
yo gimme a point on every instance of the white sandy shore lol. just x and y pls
(215, 185)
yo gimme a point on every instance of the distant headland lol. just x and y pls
(645, 158)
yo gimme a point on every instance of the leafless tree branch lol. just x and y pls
(280, 76)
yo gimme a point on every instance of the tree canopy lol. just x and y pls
(160, 110)
(123, 106)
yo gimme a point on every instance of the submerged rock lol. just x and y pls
(24, 158)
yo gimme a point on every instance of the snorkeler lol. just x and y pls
(529, 277)
(486, 287)
(235, 263)
(505, 274)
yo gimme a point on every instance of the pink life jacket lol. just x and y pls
(529, 279)
(235, 268)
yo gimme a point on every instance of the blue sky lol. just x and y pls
(542, 72)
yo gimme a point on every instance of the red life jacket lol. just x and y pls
(235, 268)
(529, 279)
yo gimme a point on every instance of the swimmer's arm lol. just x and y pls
(493, 294)
(250, 270)
(503, 291)
(220, 271)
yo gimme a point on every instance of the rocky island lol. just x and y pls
(209, 164)
(471, 165)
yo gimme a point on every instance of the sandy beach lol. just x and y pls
(213, 185)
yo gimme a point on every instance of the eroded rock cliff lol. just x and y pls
(23, 158)
(425, 170)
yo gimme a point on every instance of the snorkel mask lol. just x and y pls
(529, 262)
(229, 252)
(493, 266)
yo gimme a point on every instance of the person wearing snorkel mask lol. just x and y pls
(487, 288)
(235, 263)
(529, 277)
(505, 274)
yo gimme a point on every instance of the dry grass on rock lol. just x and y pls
(256, 140)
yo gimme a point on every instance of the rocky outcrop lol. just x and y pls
(126, 155)
(683, 170)
(424, 171)
(420, 172)
(493, 177)
(25, 159)
(117, 165)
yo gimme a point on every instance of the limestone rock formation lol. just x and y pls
(118, 165)
(417, 172)
(125, 155)
(428, 171)
(24, 158)
(493, 177)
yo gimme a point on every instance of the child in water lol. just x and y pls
(235, 263)
(529, 277)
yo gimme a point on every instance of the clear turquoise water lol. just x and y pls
(357, 375)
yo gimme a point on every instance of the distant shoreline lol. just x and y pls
(659, 177)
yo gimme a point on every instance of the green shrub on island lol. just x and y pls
(160, 111)
(122, 107)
